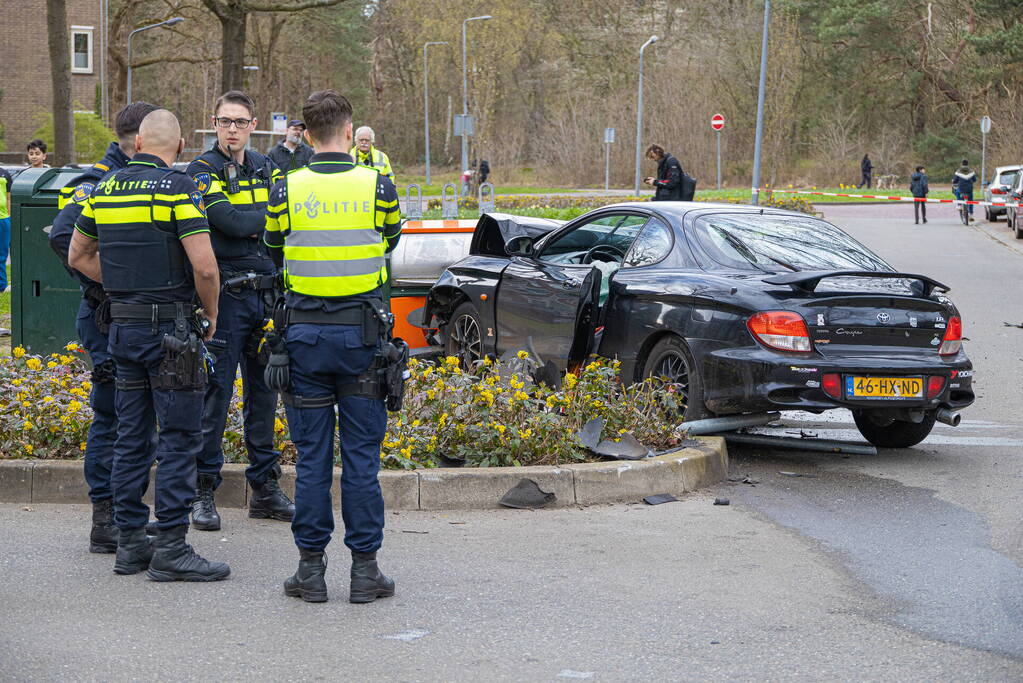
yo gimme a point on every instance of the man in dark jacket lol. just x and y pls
(962, 184)
(918, 188)
(866, 169)
(668, 183)
(291, 153)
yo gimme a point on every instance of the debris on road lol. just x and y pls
(744, 480)
(660, 498)
(527, 495)
(797, 474)
(722, 501)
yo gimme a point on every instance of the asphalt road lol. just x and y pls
(904, 566)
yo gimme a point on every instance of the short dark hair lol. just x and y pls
(326, 113)
(36, 144)
(129, 119)
(966, 162)
(656, 149)
(919, 168)
(235, 97)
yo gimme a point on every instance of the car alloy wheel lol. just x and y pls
(468, 340)
(673, 368)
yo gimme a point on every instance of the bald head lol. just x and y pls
(160, 135)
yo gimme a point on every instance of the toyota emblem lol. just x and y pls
(883, 317)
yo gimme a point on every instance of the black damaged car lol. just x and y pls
(746, 309)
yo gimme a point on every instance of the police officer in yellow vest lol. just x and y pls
(329, 226)
(365, 154)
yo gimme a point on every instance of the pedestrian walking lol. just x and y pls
(366, 154)
(291, 153)
(92, 325)
(919, 188)
(866, 171)
(668, 183)
(235, 182)
(337, 338)
(148, 213)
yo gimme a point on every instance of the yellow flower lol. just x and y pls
(81, 446)
(521, 396)
(416, 423)
(34, 364)
(29, 448)
(18, 351)
(487, 362)
(78, 391)
(26, 404)
(622, 431)
(443, 419)
(278, 425)
(47, 399)
(525, 434)
(17, 382)
(66, 360)
(27, 425)
(72, 346)
(570, 380)
(523, 355)
(51, 364)
(53, 430)
(87, 385)
(430, 393)
(500, 429)
(451, 360)
(74, 406)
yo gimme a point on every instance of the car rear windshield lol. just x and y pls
(1007, 178)
(779, 244)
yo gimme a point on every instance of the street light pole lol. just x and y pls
(169, 22)
(465, 94)
(639, 111)
(760, 105)
(426, 103)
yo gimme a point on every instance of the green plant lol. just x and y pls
(91, 136)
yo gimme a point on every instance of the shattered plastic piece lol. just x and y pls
(627, 447)
(1020, 325)
(589, 435)
(744, 480)
(448, 461)
(721, 501)
(797, 474)
(527, 495)
(660, 498)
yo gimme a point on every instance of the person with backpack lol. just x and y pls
(671, 183)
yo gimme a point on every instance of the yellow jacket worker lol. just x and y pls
(365, 154)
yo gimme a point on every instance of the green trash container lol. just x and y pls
(44, 298)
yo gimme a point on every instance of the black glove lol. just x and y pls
(277, 374)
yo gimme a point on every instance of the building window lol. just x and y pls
(81, 49)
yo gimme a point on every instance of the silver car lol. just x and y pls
(1013, 215)
(998, 188)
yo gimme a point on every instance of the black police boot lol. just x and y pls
(134, 551)
(204, 509)
(368, 582)
(175, 560)
(269, 502)
(103, 537)
(308, 582)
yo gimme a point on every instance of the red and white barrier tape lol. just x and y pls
(895, 199)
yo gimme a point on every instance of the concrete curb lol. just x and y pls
(467, 488)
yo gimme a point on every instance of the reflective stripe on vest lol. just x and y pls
(332, 247)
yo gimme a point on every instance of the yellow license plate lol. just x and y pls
(884, 387)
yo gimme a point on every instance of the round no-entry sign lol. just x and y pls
(717, 122)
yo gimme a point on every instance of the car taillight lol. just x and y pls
(782, 330)
(831, 383)
(997, 190)
(935, 385)
(953, 340)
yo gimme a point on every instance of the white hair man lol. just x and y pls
(365, 154)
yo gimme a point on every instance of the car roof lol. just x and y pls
(679, 209)
(1013, 167)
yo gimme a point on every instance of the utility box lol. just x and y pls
(44, 297)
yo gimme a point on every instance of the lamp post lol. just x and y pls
(426, 103)
(760, 105)
(465, 94)
(168, 22)
(639, 110)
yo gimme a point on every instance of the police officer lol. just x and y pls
(330, 225)
(99, 445)
(365, 154)
(143, 234)
(235, 182)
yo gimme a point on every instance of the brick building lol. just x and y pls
(25, 84)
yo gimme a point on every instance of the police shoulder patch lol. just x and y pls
(82, 192)
(203, 181)
(196, 198)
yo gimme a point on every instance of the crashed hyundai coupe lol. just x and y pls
(745, 309)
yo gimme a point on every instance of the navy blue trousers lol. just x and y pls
(322, 356)
(240, 314)
(99, 445)
(138, 353)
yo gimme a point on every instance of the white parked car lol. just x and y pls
(998, 188)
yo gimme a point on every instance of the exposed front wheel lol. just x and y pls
(464, 335)
(884, 432)
(671, 360)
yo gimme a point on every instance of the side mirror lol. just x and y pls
(519, 246)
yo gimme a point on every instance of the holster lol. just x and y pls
(105, 372)
(183, 367)
(99, 301)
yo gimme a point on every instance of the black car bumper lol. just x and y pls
(750, 379)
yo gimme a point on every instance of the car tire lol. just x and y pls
(1016, 228)
(987, 215)
(895, 434)
(463, 335)
(670, 357)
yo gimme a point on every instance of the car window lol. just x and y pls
(616, 231)
(652, 245)
(780, 243)
(1008, 178)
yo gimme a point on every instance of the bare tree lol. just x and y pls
(60, 71)
(233, 16)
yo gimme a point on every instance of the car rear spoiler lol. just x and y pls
(807, 280)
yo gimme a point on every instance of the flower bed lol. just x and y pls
(491, 416)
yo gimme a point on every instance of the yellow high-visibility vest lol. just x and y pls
(333, 246)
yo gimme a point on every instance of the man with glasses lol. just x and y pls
(365, 154)
(235, 182)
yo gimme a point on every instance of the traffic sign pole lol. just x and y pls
(717, 122)
(609, 137)
(719, 159)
